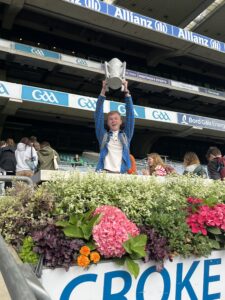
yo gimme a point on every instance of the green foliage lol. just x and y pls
(135, 246)
(132, 266)
(157, 203)
(26, 253)
(80, 225)
(24, 210)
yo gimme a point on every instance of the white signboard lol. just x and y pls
(86, 103)
(10, 90)
(189, 279)
(161, 115)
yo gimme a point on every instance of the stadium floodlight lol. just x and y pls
(205, 14)
(115, 73)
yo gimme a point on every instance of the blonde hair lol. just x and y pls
(157, 161)
(191, 158)
(10, 142)
(113, 112)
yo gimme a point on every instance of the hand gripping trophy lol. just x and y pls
(115, 74)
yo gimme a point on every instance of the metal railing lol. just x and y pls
(21, 282)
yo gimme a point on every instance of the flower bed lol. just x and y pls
(84, 220)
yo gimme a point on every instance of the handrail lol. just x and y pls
(14, 279)
(16, 178)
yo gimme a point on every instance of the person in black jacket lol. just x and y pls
(8, 160)
(214, 156)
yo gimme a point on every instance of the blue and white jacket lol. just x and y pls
(125, 135)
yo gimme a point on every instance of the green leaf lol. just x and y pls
(214, 244)
(72, 231)
(119, 261)
(135, 246)
(74, 219)
(88, 214)
(62, 223)
(214, 230)
(132, 267)
(211, 201)
(91, 245)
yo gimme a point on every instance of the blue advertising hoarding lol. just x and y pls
(149, 23)
(37, 51)
(45, 96)
(201, 122)
(139, 111)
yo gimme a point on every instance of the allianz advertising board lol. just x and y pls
(183, 279)
(40, 95)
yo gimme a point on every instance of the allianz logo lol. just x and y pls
(45, 96)
(3, 89)
(160, 26)
(93, 4)
(215, 45)
(161, 115)
(37, 51)
(88, 103)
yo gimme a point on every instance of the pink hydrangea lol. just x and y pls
(112, 231)
(206, 216)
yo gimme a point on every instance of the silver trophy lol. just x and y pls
(115, 74)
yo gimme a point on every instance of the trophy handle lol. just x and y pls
(106, 75)
(123, 74)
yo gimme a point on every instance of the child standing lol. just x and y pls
(115, 143)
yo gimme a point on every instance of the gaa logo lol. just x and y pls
(160, 26)
(44, 96)
(37, 51)
(93, 4)
(87, 103)
(3, 90)
(215, 45)
(81, 61)
(160, 115)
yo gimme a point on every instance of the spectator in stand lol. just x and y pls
(37, 146)
(157, 167)
(2, 144)
(216, 163)
(192, 165)
(115, 143)
(46, 157)
(26, 158)
(8, 159)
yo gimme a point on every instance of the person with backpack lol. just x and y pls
(216, 164)
(192, 165)
(114, 143)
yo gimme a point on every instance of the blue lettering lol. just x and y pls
(208, 279)
(108, 285)
(140, 287)
(3, 89)
(74, 283)
(181, 284)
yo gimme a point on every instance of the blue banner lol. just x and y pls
(37, 51)
(201, 122)
(149, 23)
(45, 96)
(139, 111)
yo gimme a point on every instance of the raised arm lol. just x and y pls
(99, 114)
(129, 123)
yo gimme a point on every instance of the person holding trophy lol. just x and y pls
(115, 142)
